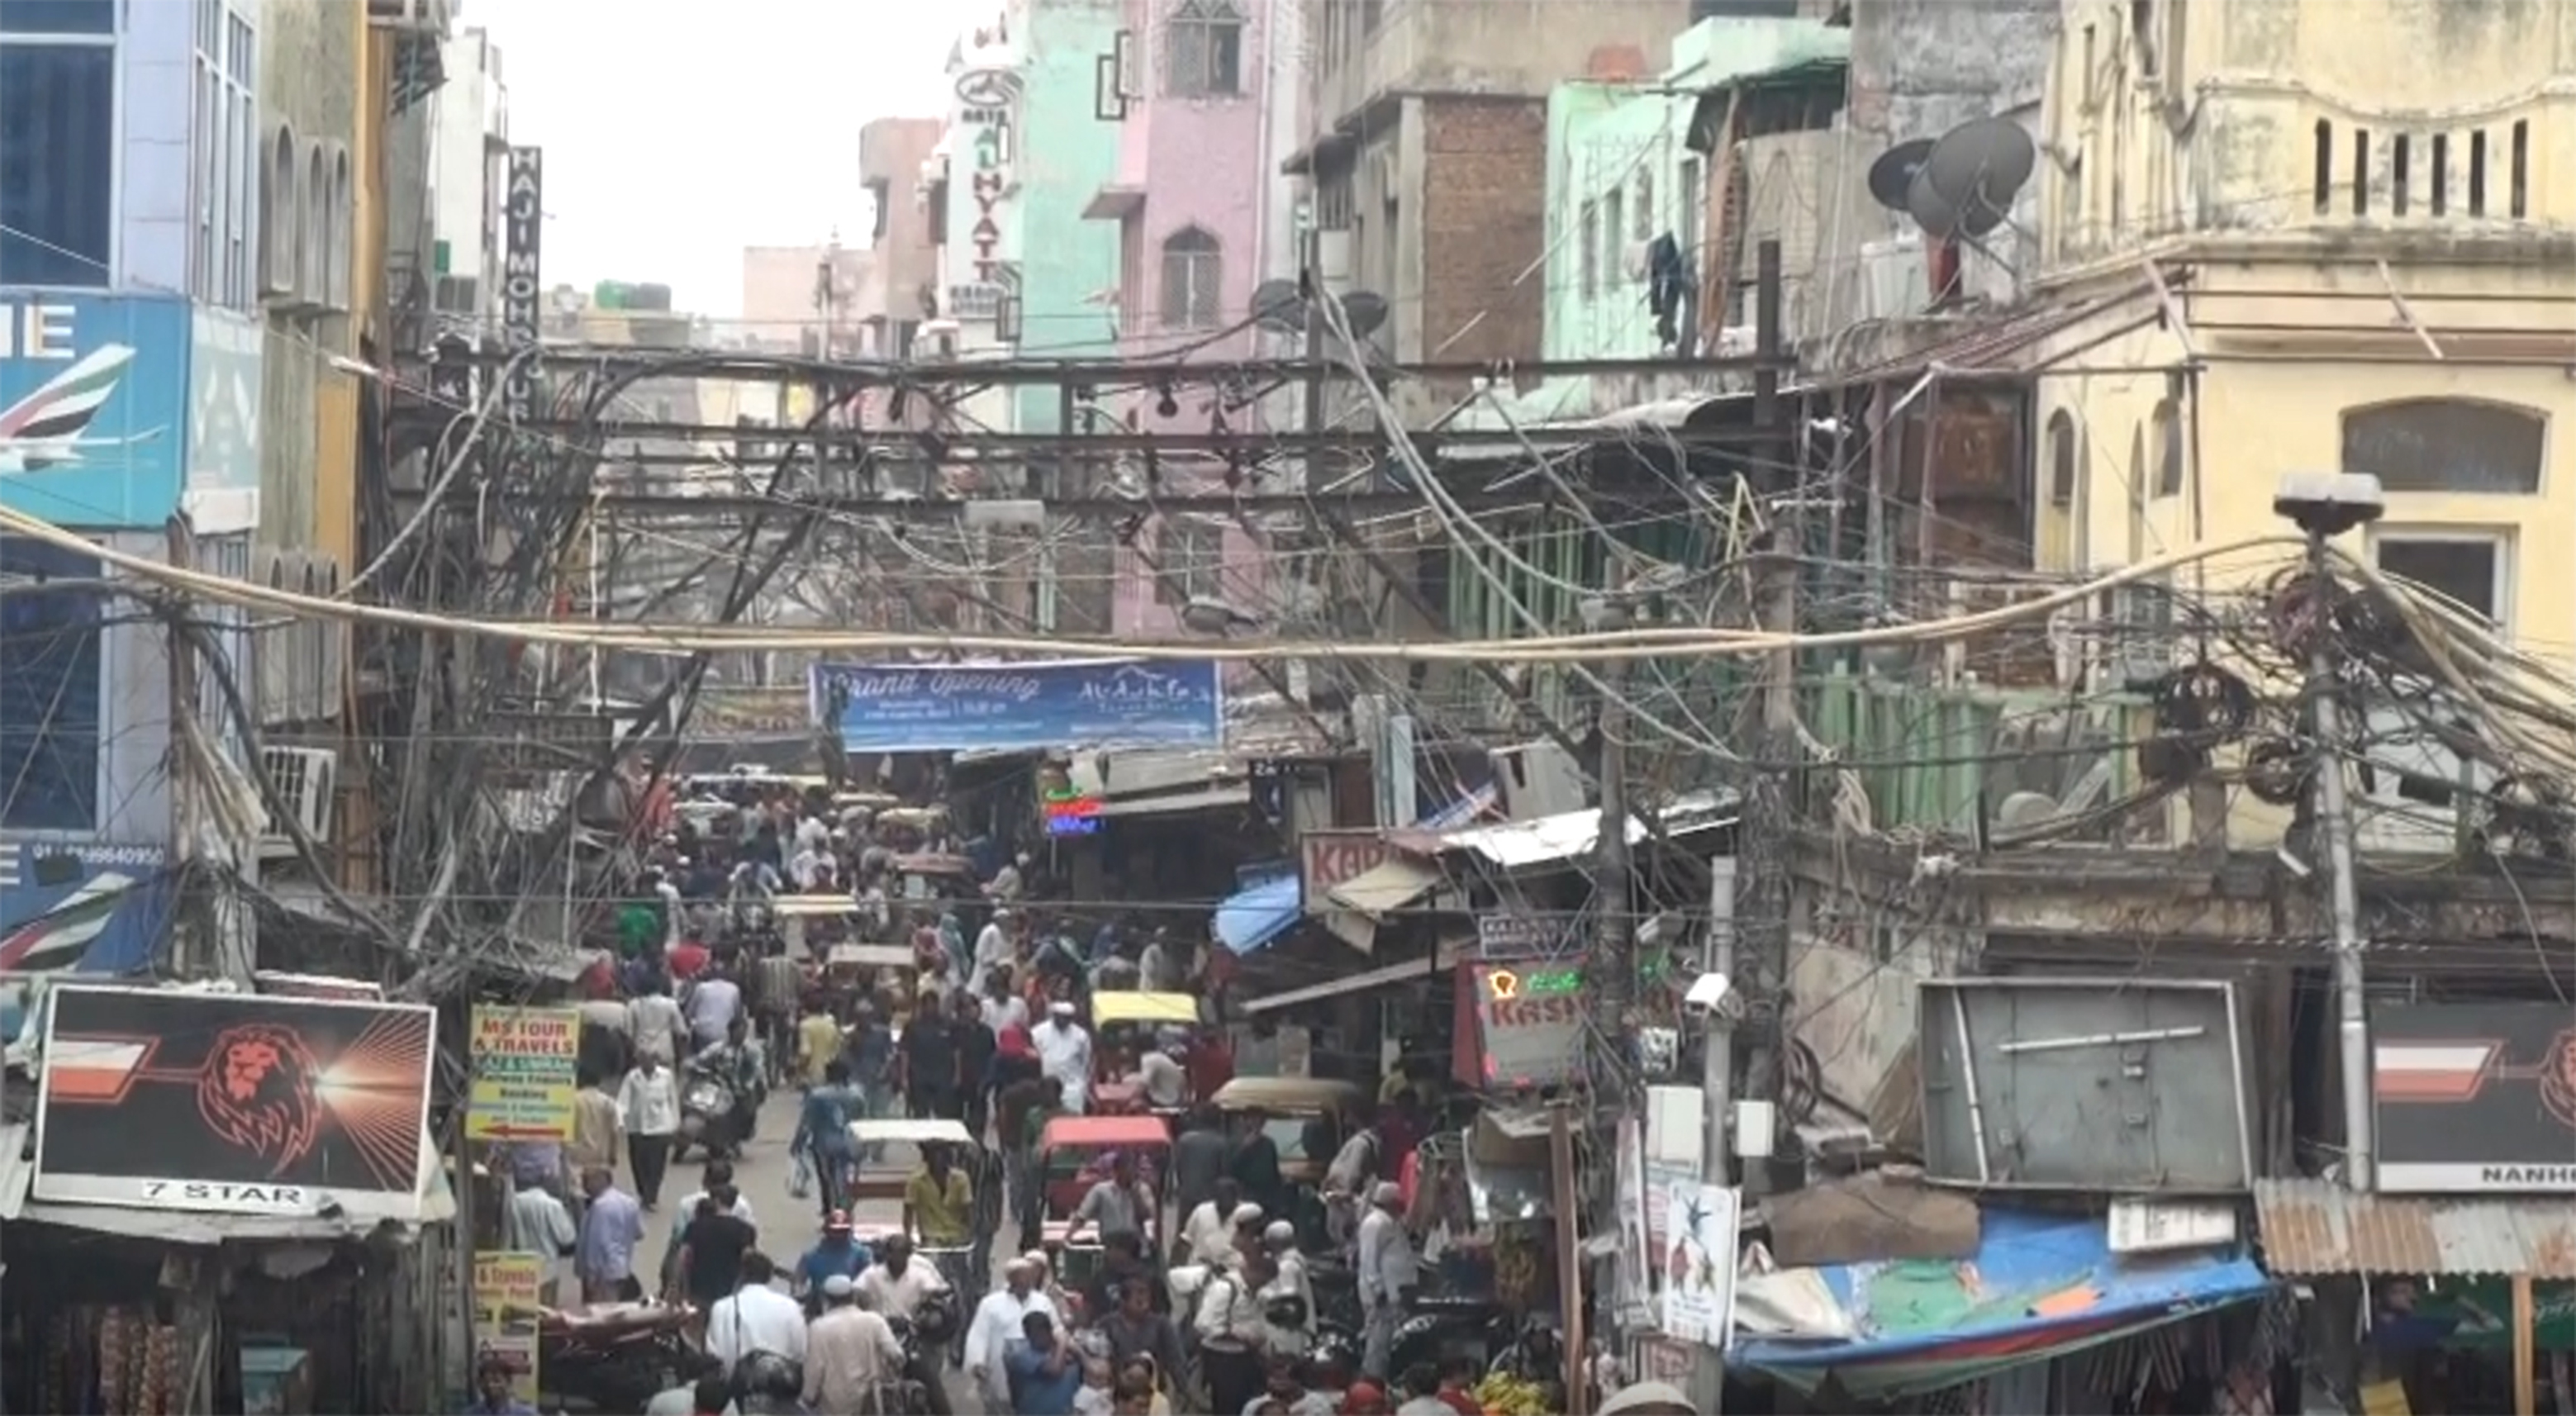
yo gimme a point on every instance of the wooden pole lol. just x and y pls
(2526, 1396)
(1569, 1254)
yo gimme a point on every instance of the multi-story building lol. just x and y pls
(130, 177)
(469, 164)
(899, 289)
(975, 187)
(1424, 145)
(1190, 201)
(1049, 162)
(804, 299)
(2355, 251)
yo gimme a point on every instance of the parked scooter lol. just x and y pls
(614, 1362)
(706, 1112)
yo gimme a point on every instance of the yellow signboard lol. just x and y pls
(526, 1064)
(509, 1292)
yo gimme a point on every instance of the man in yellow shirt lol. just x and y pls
(939, 1202)
(818, 1041)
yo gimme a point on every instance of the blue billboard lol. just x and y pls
(1004, 707)
(93, 407)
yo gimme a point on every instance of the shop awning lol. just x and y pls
(1348, 983)
(1385, 888)
(2039, 1286)
(1252, 917)
(1548, 840)
(2313, 1228)
(1174, 803)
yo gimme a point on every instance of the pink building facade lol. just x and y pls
(1191, 201)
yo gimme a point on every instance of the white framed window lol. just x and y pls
(240, 166)
(1203, 50)
(1193, 279)
(1189, 555)
(2471, 565)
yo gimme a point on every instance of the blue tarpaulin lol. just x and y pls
(2038, 1284)
(1257, 914)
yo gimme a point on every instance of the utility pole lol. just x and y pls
(2326, 507)
(1614, 934)
(1717, 1090)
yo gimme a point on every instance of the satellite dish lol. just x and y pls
(1893, 174)
(1967, 183)
(1365, 310)
(1277, 307)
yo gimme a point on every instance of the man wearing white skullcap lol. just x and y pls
(1287, 1300)
(1388, 1274)
(998, 1322)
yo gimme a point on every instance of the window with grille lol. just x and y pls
(1193, 271)
(52, 687)
(1203, 50)
(1588, 249)
(1188, 554)
(2447, 445)
(58, 142)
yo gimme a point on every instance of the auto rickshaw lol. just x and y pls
(1123, 1026)
(963, 1265)
(811, 924)
(922, 876)
(1290, 1105)
(1073, 1156)
(858, 970)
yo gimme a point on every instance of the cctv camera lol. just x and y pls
(1712, 995)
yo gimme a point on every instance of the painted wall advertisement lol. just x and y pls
(233, 1102)
(225, 374)
(93, 407)
(879, 708)
(981, 184)
(509, 1295)
(1698, 1263)
(526, 1062)
(2474, 1097)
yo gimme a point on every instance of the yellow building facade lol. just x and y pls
(2311, 235)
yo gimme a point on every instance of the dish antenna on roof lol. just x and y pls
(1967, 183)
(1892, 176)
(1957, 187)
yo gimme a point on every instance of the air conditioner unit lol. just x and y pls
(1333, 257)
(1537, 779)
(306, 780)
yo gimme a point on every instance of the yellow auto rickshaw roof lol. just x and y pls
(1288, 1096)
(1130, 1007)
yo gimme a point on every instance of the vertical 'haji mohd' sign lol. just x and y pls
(2474, 1097)
(523, 215)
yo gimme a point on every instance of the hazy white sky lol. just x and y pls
(677, 132)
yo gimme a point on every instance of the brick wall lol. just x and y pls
(1484, 222)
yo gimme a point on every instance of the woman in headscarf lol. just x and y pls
(952, 937)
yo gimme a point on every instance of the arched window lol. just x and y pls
(2063, 457)
(1193, 272)
(344, 228)
(280, 229)
(2447, 445)
(2169, 451)
(313, 274)
(1203, 50)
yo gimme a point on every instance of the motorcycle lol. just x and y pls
(924, 1336)
(706, 1112)
(1437, 1328)
(614, 1360)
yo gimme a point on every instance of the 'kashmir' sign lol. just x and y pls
(526, 1063)
(1524, 1025)
(1327, 859)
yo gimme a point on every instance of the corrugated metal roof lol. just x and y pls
(2311, 1227)
(1515, 844)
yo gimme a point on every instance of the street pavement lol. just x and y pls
(788, 1225)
